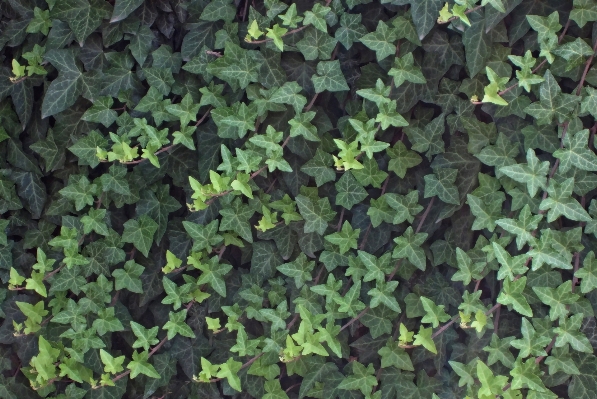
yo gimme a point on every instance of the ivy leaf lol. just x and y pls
(511, 266)
(177, 325)
(350, 192)
(237, 65)
(383, 294)
(205, 237)
(464, 371)
(560, 203)
(128, 277)
(441, 183)
(140, 233)
(345, 238)
(370, 174)
(533, 174)
(424, 15)
(467, 270)
(229, 370)
(427, 139)
(499, 350)
(523, 227)
(525, 376)
(316, 215)
(175, 295)
(141, 365)
(362, 379)
(424, 338)
(490, 384)
(406, 206)
(381, 41)
(393, 355)
(186, 110)
(557, 299)
(552, 102)
(146, 337)
(568, 333)
(512, 295)
(388, 116)
(236, 218)
(101, 112)
(500, 154)
(588, 274)
(350, 29)
(435, 314)
(379, 95)
(82, 17)
(81, 191)
(112, 364)
(95, 221)
(289, 94)
(212, 272)
(576, 153)
(123, 8)
(329, 77)
(584, 11)
(316, 16)
(409, 246)
(300, 269)
(301, 126)
(274, 390)
(402, 159)
(404, 70)
(349, 303)
(486, 213)
(574, 52)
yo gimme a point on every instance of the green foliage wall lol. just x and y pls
(331, 199)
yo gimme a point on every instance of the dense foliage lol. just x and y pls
(331, 199)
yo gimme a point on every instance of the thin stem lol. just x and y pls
(362, 246)
(496, 321)
(444, 328)
(311, 103)
(244, 366)
(245, 10)
(200, 121)
(548, 348)
(158, 346)
(391, 276)
(538, 67)
(290, 388)
(425, 214)
(586, 70)
(47, 276)
(477, 284)
(448, 324)
(154, 350)
(466, 12)
(290, 32)
(363, 312)
(138, 161)
(339, 225)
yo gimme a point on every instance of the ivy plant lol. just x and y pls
(366, 199)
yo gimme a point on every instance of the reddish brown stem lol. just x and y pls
(425, 215)
(200, 121)
(311, 103)
(290, 32)
(363, 312)
(586, 70)
(538, 67)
